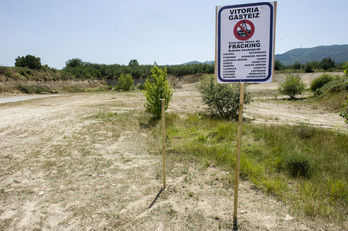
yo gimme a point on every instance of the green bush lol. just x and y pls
(292, 86)
(344, 111)
(320, 82)
(157, 87)
(141, 86)
(125, 82)
(222, 99)
(32, 90)
(334, 86)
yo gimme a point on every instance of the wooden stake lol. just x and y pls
(239, 145)
(163, 145)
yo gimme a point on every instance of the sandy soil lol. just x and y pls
(278, 111)
(61, 168)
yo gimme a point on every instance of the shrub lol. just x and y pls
(320, 82)
(292, 86)
(344, 111)
(222, 99)
(334, 86)
(157, 88)
(125, 82)
(297, 165)
(32, 90)
(141, 86)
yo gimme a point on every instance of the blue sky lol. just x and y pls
(168, 32)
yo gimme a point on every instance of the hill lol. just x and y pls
(339, 53)
(197, 62)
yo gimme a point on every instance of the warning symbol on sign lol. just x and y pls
(244, 30)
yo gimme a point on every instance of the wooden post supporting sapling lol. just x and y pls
(163, 144)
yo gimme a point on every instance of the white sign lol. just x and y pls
(245, 42)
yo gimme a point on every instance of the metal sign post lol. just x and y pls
(244, 52)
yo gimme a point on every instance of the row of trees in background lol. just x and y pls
(85, 70)
(325, 64)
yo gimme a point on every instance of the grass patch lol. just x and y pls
(303, 166)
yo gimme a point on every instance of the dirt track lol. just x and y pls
(63, 169)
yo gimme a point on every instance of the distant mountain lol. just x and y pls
(197, 62)
(339, 53)
(191, 63)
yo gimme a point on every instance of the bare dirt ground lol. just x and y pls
(65, 166)
(272, 109)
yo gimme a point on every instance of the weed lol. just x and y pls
(304, 132)
(72, 89)
(171, 212)
(105, 115)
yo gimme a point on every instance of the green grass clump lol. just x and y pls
(105, 114)
(335, 86)
(304, 166)
(298, 165)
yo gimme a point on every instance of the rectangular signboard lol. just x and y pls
(245, 42)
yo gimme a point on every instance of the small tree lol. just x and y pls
(327, 63)
(292, 86)
(76, 62)
(297, 65)
(308, 68)
(222, 99)
(278, 65)
(29, 61)
(125, 82)
(157, 88)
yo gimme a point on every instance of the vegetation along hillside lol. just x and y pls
(339, 53)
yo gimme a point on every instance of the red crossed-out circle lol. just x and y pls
(244, 30)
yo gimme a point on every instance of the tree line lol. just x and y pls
(326, 64)
(81, 69)
(86, 70)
